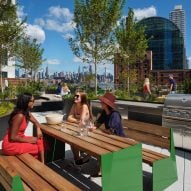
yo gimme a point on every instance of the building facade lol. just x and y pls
(177, 16)
(166, 43)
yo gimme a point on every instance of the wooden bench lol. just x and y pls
(24, 172)
(164, 171)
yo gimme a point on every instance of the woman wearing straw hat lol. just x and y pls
(109, 116)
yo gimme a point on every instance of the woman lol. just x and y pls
(109, 116)
(65, 89)
(15, 142)
(80, 113)
(146, 89)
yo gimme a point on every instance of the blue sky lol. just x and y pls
(50, 21)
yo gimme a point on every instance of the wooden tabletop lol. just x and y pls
(95, 143)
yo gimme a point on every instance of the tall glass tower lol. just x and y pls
(177, 16)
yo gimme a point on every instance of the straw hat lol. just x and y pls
(108, 99)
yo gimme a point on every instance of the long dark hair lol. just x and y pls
(84, 100)
(22, 106)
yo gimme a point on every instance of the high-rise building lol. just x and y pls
(177, 16)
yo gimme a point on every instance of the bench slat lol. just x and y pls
(148, 138)
(147, 127)
(28, 175)
(48, 174)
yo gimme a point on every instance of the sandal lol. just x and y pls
(81, 161)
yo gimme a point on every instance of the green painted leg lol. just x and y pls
(17, 184)
(165, 171)
(164, 174)
(122, 170)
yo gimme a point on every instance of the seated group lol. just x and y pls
(16, 142)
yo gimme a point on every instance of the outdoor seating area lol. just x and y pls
(114, 153)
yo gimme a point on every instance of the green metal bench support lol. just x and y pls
(122, 170)
(165, 170)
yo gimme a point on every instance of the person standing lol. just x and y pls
(65, 89)
(15, 142)
(146, 89)
(172, 82)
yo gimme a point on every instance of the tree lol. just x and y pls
(94, 37)
(29, 55)
(11, 30)
(132, 45)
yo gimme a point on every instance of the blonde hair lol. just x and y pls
(146, 81)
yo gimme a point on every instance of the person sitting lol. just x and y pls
(15, 142)
(65, 90)
(109, 116)
(80, 113)
(58, 89)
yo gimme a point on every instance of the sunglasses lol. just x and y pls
(76, 96)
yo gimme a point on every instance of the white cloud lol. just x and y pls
(53, 61)
(61, 13)
(35, 32)
(58, 19)
(67, 36)
(145, 12)
(20, 12)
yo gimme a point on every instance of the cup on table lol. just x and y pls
(63, 125)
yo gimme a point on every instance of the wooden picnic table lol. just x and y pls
(96, 143)
(120, 158)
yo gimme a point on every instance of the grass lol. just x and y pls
(6, 108)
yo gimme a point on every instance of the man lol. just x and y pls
(172, 82)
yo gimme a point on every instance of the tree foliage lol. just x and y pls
(132, 44)
(29, 55)
(94, 38)
(11, 30)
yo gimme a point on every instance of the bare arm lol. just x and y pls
(71, 117)
(15, 125)
(37, 125)
(148, 88)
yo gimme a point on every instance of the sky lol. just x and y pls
(50, 22)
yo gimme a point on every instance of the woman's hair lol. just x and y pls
(22, 105)
(84, 100)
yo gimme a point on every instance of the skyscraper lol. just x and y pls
(177, 16)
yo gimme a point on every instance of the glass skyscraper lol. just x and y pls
(177, 16)
(166, 43)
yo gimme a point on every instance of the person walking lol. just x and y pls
(172, 82)
(146, 89)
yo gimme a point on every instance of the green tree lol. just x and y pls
(29, 55)
(11, 30)
(94, 37)
(132, 44)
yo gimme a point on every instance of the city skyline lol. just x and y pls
(50, 22)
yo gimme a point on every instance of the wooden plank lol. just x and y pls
(33, 180)
(74, 140)
(7, 173)
(148, 138)
(5, 184)
(147, 127)
(57, 181)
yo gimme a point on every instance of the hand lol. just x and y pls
(39, 133)
(33, 140)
